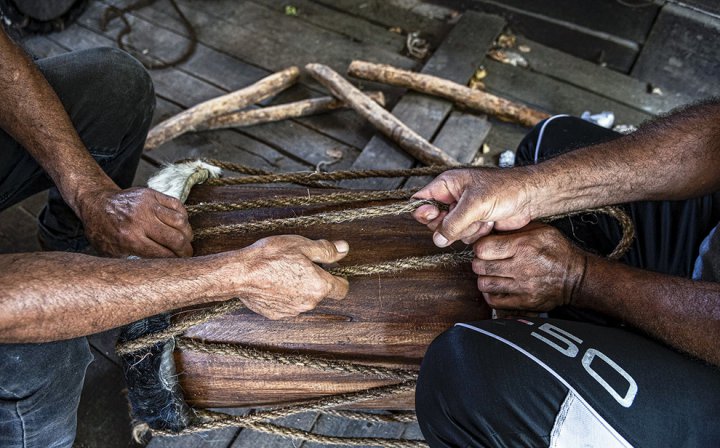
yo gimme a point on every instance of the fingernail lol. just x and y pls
(432, 215)
(439, 240)
(342, 246)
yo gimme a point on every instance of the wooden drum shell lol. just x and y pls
(386, 320)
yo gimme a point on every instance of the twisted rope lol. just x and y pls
(200, 317)
(293, 201)
(286, 359)
(337, 217)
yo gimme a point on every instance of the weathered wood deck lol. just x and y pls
(241, 42)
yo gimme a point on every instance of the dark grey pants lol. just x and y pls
(110, 99)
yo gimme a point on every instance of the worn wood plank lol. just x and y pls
(342, 23)
(461, 137)
(503, 136)
(598, 79)
(337, 426)
(681, 52)
(103, 418)
(456, 59)
(552, 95)
(41, 47)
(228, 73)
(251, 439)
(390, 15)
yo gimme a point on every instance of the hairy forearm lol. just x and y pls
(32, 113)
(673, 157)
(55, 295)
(683, 313)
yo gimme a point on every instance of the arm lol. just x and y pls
(673, 157)
(135, 221)
(55, 295)
(537, 269)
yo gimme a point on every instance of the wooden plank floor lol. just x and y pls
(243, 41)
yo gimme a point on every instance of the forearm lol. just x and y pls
(673, 157)
(683, 313)
(55, 295)
(32, 114)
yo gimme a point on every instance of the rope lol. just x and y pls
(285, 359)
(314, 176)
(209, 420)
(337, 217)
(200, 317)
(291, 201)
(113, 12)
(398, 417)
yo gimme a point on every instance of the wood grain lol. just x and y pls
(385, 320)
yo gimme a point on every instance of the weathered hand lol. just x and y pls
(532, 269)
(479, 200)
(137, 221)
(284, 279)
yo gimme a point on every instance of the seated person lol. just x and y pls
(629, 353)
(76, 124)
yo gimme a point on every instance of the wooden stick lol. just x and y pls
(269, 114)
(432, 85)
(386, 122)
(189, 119)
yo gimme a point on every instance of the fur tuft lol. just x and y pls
(172, 179)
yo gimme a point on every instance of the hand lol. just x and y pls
(284, 279)
(479, 199)
(533, 269)
(137, 221)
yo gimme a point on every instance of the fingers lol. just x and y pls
(496, 285)
(324, 251)
(456, 223)
(176, 242)
(496, 247)
(147, 248)
(339, 286)
(169, 201)
(425, 214)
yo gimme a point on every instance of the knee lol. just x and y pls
(454, 389)
(122, 85)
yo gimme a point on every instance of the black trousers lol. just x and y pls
(575, 379)
(110, 99)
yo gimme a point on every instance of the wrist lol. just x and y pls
(84, 197)
(578, 274)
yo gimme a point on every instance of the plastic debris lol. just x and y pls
(524, 49)
(417, 46)
(507, 159)
(625, 128)
(291, 10)
(506, 40)
(604, 118)
(508, 57)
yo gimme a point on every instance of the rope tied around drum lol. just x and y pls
(404, 379)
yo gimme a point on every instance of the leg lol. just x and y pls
(40, 387)
(538, 382)
(110, 99)
(668, 233)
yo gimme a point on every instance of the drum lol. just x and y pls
(386, 320)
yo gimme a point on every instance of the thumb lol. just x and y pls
(324, 251)
(338, 286)
(457, 221)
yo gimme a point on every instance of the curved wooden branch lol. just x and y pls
(386, 122)
(280, 112)
(190, 119)
(432, 85)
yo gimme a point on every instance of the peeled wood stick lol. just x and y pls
(386, 122)
(281, 112)
(190, 119)
(432, 85)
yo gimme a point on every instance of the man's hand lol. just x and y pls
(137, 221)
(479, 199)
(283, 279)
(533, 269)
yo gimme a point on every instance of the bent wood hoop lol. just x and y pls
(387, 320)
